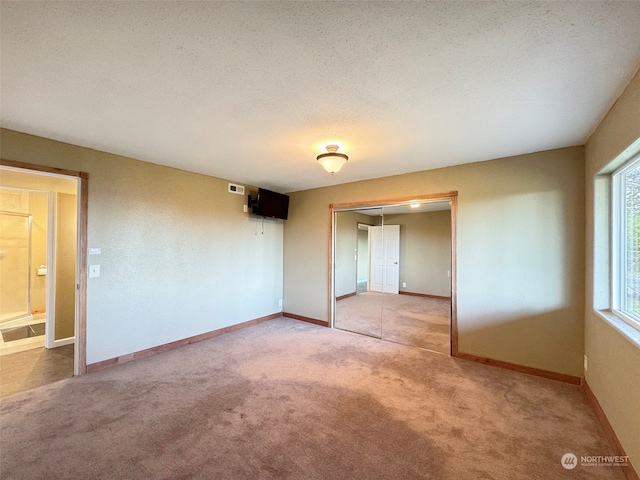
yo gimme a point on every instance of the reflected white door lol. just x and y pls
(385, 258)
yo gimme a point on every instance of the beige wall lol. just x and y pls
(66, 235)
(38, 207)
(346, 244)
(363, 255)
(613, 360)
(425, 251)
(179, 256)
(520, 253)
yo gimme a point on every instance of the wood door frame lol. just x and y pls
(452, 197)
(358, 252)
(80, 354)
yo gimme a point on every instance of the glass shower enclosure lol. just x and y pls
(15, 266)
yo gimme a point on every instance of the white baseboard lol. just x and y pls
(64, 341)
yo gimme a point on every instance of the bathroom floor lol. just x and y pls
(33, 368)
(19, 333)
(23, 335)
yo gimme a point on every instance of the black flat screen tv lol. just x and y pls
(271, 204)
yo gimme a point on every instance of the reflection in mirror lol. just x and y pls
(357, 308)
(419, 312)
(392, 273)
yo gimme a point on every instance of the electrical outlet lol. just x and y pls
(404, 284)
(280, 302)
(585, 363)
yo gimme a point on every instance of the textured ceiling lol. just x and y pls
(252, 91)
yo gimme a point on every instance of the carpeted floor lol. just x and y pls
(33, 368)
(407, 319)
(290, 400)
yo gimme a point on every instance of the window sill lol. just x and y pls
(626, 330)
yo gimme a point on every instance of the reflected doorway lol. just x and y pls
(362, 258)
(394, 271)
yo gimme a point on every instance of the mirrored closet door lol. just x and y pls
(392, 272)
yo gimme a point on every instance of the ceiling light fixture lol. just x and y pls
(332, 161)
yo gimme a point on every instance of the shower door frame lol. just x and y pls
(29, 226)
(80, 352)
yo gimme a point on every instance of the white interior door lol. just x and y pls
(385, 258)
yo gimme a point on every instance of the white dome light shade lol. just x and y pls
(332, 161)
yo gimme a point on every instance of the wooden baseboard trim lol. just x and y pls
(538, 372)
(342, 297)
(322, 323)
(618, 450)
(425, 295)
(94, 367)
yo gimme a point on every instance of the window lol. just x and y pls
(626, 242)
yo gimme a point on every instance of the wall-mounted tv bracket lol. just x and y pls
(251, 203)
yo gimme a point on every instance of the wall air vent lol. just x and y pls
(233, 188)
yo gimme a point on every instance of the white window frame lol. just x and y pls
(618, 242)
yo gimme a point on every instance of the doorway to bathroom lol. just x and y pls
(41, 304)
